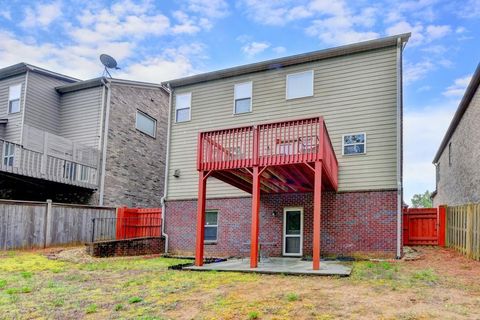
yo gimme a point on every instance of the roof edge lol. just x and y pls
(95, 82)
(290, 60)
(22, 67)
(457, 117)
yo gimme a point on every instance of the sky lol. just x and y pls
(161, 40)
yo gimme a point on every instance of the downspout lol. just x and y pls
(104, 147)
(399, 147)
(167, 162)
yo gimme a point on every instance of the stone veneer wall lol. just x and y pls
(135, 165)
(353, 224)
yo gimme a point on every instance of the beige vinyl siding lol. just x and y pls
(80, 115)
(12, 130)
(42, 108)
(354, 93)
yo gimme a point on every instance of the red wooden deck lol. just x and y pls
(285, 156)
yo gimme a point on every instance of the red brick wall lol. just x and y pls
(354, 223)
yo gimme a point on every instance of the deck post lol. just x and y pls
(317, 207)
(202, 192)
(255, 218)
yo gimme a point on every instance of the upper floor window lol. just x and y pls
(14, 94)
(243, 98)
(300, 84)
(146, 124)
(354, 144)
(183, 106)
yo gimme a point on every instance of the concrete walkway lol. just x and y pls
(294, 266)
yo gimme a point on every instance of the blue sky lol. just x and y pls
(161, 40)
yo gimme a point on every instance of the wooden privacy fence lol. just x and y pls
(420, 226)
(25, 224)
(138, 222)
(463, 229)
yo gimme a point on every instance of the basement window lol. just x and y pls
(14, 94)
(146, 124)
(211, 226)
(353, 144)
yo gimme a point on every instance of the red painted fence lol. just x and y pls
(138, 223)
(424, 226)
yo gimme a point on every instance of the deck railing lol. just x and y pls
(19, 160)
(277, 143)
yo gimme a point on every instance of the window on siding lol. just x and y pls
(211, 226)
(69, 170)
(243, 97)
(300, 85)
(84, 173)
(450, 154)
(354, 144)
(183, 106)
(14, 94)
(8, 154)
(146, 124)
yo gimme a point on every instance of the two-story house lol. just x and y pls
(294, 156)
(99, 141)
(456, 161)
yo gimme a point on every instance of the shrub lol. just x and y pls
(135, 300)
(91, 308)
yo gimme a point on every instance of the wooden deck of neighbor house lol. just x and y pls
(277, 157)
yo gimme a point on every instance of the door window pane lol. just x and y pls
(292, 245)
(293, 223)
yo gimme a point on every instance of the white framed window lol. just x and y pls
(355, 143)
(8, 154)
(300, 84)
(242, 98)
(69, 170)
(14, 94)
(146, 124)
(183, 106)
(211, 226)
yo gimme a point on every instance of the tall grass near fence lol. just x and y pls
(463, 229)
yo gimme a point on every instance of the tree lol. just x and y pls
(422, 200)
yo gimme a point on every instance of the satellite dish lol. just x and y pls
(109, 63)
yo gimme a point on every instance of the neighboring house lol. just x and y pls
(456, 161)
(277, 179)
(99, 141)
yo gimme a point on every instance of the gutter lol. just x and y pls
(167, 162)
(104, 147)
(24, 105)
(399, 147)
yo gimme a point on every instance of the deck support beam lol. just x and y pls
(255, 217)
(317, 208)
(202, 193)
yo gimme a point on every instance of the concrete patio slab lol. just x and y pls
(294, 266)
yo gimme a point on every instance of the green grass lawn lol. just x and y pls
(33, 286)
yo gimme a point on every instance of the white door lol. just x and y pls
(292, 231)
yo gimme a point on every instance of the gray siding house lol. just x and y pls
(456, 161)
(99, 141)
(258, 153)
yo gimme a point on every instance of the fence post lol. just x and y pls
(442, 225)
(48, 227)
(469, 226)
(93, 230)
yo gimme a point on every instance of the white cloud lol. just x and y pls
(416, 71)
(469, 9)
(457, 89)
(6, 14)
(275, 13)
(187, 25)
(279, 50)
(437, 32)
(251, 49)
(423, 132)
(404, 27)
(209, 8)
(42, 14)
